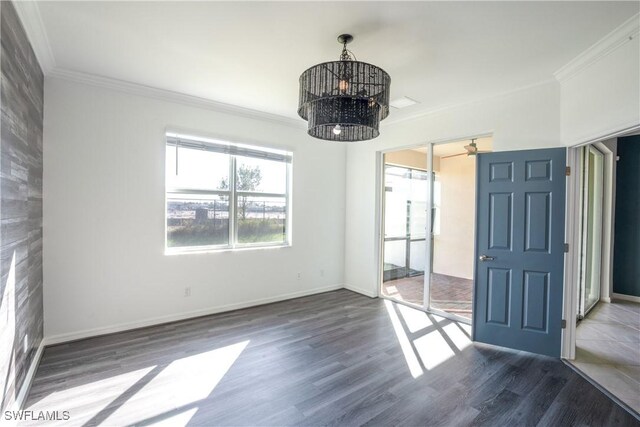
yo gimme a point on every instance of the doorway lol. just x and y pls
(428, 226)
(453, 218)
(606, 335)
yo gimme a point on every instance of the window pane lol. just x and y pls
(261, 219)
(395, 259)
(398, 187)
(197, 169)
(418, 219)
(419, 184)
(258, 175)
(198, 222)
(418, 256)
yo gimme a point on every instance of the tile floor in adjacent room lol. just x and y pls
(448, 293)
(608, 349)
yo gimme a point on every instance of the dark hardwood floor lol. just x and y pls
(332, 359)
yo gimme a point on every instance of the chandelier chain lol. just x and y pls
(346, 54)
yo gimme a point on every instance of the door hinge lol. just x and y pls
(566, 248)
(563, 324)
(567, 171)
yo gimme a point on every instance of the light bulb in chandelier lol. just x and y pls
(337, 129)
(343, 85)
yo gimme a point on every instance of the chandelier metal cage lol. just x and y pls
(344, 100)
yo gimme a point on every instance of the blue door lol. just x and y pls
(520, 249)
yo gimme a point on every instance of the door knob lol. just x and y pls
(486, 258)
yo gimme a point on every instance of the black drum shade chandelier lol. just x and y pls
(344, 100)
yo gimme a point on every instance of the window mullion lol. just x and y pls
(172, 192)
(233, 226)
(260, 194)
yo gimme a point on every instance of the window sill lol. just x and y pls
(209, 250)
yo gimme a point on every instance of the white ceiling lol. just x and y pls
(251, 54)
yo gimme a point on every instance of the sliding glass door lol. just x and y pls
(404, 252)
(591, 239)
(450, 280)
(428, 226)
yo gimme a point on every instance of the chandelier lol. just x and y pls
(344, 100)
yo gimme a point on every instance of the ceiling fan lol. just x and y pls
(470, 150)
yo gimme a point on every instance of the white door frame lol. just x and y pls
(573, 211)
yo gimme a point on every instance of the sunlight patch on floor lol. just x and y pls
(433, 349)
(459, 339)
(416, 320)
(405, 344)
(440, 340)
(8, 331)
(181, 419)
(116, 384)
(182, 382)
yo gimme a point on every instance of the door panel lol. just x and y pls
(498, 296)
(520, 245)
(537, 222)
(534, 316)
(500, 221)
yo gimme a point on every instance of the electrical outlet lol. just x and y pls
(299, 275)
(187, 291)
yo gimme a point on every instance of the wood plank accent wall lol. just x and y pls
(21, 99)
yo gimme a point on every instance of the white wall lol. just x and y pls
(453, 249)
(525, 119)
(409, 158)
(105, 267)
(604, 97)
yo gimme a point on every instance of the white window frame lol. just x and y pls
(233, 150)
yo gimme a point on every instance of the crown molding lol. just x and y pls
(171, 96)
(609, 43)
(29, 14)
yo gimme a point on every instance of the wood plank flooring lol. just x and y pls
(337, 358)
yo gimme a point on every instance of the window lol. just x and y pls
(222, 195)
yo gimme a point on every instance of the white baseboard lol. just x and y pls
(625, 297)
(26, 384)
(88, 333)
(365, 292)
(605, 299)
